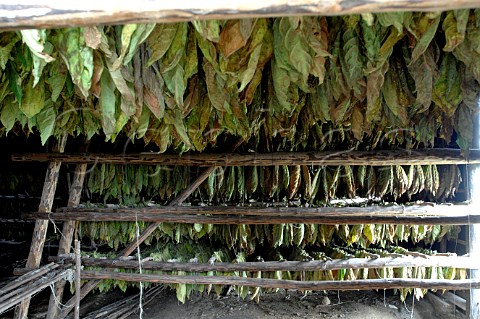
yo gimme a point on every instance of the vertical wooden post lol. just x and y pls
(67, 237)
(40, 230)
(474, 229)
(78, 267)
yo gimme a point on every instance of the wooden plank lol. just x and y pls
(325, 158)
(261, 220)
(57, 14)
(361, 284)
(464, 262)
(67, 236)
(40, 230)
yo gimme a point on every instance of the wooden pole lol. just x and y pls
(261, 219)
(361, 284)
(40, 230)
(474, 230)
(78, 269)
(29, 289)
(58, 14)
(67, 236)
(425, 209)
(325, 158)
(464, 262)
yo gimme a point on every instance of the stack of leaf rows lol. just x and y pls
(407, 79)
(366, 82)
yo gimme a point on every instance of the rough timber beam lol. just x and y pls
(31, 14)
(325, 158)
(407, 215)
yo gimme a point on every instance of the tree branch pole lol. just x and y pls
(57, 14)
(89, 286)
(464, 262)
(361, 284)
(78, 270)
(474, 230)
(324, 158)
(40, 230)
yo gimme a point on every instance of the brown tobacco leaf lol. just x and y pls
(235, 35)
(93, 37)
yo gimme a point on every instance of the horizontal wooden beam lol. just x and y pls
(325, 158)
(363, 284)
(450, 215)
(56, 14)
(425, 209)
(463, 262)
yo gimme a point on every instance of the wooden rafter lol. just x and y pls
(56, 14)
(325, 158)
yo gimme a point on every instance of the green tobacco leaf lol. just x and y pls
(464, 127)
(423, 71)
(57, 79)
(77, 56)
(160, 40)
(447, 92)
(9, 114)
(455, 25)
(46, 123)
(425, 33)
(33, 100)
(127, 34)
(107, 104)
(141, 34)
(208, 29)
(5, 50)
(251, 68)
(41, 50)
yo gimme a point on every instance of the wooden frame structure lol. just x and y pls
(417, 214)
(55, 14)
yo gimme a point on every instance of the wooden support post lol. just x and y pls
(474, 230)
(89, 286)
(40, 230)
(67, 236)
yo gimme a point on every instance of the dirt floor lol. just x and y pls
(348, 305)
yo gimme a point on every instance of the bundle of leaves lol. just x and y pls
(405, 77)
